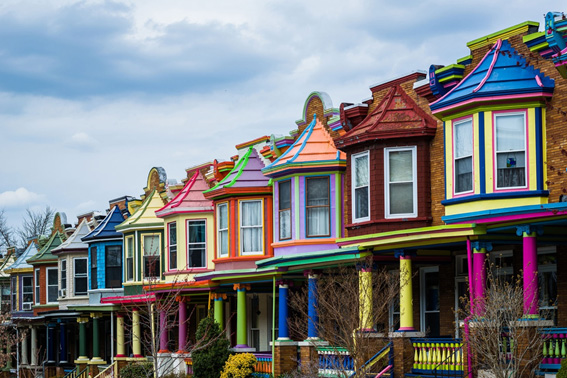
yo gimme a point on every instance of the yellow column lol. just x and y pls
(365, 293)
(120, 352)
(136, 334)
(406, 292)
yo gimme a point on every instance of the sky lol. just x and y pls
(93, 94)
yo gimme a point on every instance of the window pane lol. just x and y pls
(173, 233)
(52, 277)
(80, 266)
(463, 139)
(252, 239)
(284, 196)
(113, 256)
(197, 245)
(318, 221)
(251, 213)
(463, 175)
(80, 285)
(151, 245)
(130, 247)
(361, 171)
(196, 256)
(285, 224)
(317, 191)
(401, 198)
(361, 198)
(400, 166)
(113, 277)
(130, 268)
(197, 232)
(511, 169)
(510, 133)
(223, 216)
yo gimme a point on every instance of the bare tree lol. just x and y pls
(501, 339)
(35, 224)
(6, 232)
(340, 294)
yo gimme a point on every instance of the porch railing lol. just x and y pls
(75, 373)
(110, 372)
(334, 361)
(263, 368)
(439, 355)
(370, 366)
(554, 348)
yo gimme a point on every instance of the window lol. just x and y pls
(222, 229)
(81, 276)
(503, 266)
(463, 155)
(251, 227)
(401, 188)
(113, 271)
(430, 319)
(196, 244)
(360, 187)
(64, 274)
(129, 259)
(284, 210)
(94, 268)
(510, 143)
(151, 250)
(27, 292)
(52, 285)
(37, 286)
(14, 289)
(317, 206)
(547, 282)
(172, 244)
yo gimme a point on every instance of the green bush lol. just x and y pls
(562, 373)
(239, 366)
(175, 375)
(211, 350)
(137, 370)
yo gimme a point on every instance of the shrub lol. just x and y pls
(239, 366)
(211, 350)
(562, 373)
(137, 370)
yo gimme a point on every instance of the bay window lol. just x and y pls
(360, 187)
(37, 286)
(81, 276)
(172, 244)
(317, 206)
(113, 271)
(64, 275)
(94, 268)
(510, 145)
(52, 285)
(284, 209)
(27, 291)
(151, 250)
(196, 244)
(222, 229)
(251, 227)
(129, 259)
(401, 186)
(463, 156)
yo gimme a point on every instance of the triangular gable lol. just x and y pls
(501, 74)
(21, 262)
(145, 215)
(75, 240)
(105, 230)
(189, 199)
(45, 253)
(396, 116)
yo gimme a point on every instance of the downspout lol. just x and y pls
(273, 322)
(467, 319)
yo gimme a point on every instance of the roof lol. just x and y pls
(189, 199)
(74, 243)
(144, 216)
(313, 148)
(396, 116)
(44, 255)
(501, 74)
(9, 260)
(20, 262)
(105, 230)
(247, 173)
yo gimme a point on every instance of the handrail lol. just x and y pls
(75, 373)
(110, 371)
(72, 373)
(378, 356)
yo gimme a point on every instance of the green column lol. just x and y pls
(241, 331)
(96, 360)
(219, 309)
(83, 359)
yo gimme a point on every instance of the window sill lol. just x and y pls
(353, 226)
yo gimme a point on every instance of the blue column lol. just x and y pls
(62, 342)
(283, 312)
(51, 343)
(313, 313)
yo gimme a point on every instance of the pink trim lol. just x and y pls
(202, 268)
(406, 329)
(463, 194)
(407, 257)
(463, 80)
(479, 282)
(131, 299)
(531, 294)
(168, 238)
(507, 218)
(493, 98)
(527, 152)
(538, 81)
(489, 72)
(386, 369)
(470, 269)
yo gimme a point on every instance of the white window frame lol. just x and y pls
(497, 115)
(241, 227)
(24, 293)
(37, 289)
(455, 124)
(387, 151)
(169, 245)
(63, 274)
(205, 262)
(354, 187)
(220, 253)
(83, 275)
(47, 270)
(129, 259)
(144, 256)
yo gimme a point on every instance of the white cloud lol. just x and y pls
(82, 141)
(18, 198)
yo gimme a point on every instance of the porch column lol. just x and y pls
(219, 309)
(120, 351)
(51, 357)
(9, 353)
(24, 350)
(283, 331)
(479, 275)
(136, 334)
(365, 297)
(83, 359)
(163, 332)
(182, 336)
(406, 291)
(241, 320)
(531, 289)
(312, 311)
(62, 342)
(96, 360)
(33, 345)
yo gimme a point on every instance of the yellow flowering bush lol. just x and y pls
(239, 366)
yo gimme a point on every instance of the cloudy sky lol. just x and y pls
(95, 93)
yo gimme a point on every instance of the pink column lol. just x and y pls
(163, 332)
(531, 289)
(479, 275)
(182, 325)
